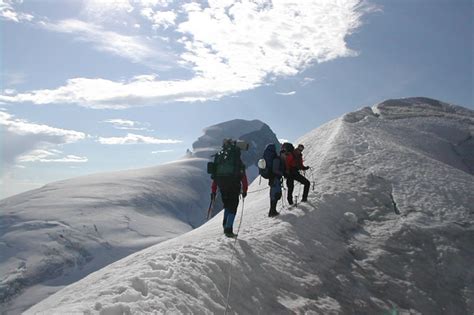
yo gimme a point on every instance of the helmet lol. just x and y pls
(300, 147)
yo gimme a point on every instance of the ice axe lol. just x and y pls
(211, 205)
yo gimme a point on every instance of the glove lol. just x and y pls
(213, 195)
(244, 194)
(305, 168)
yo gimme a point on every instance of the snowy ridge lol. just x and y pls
(65, 230)
(421, 107)
(389, 226)
(55, 235)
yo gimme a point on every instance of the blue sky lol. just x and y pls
(89, 86)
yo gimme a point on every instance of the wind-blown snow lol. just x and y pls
(55, 235)
(388, 227)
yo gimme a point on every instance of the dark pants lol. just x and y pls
(231, 202)
(290, 183)
(275, 193)
(275, 188)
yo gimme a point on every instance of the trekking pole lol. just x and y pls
(283, 194)
(241, 218)
(211, 205)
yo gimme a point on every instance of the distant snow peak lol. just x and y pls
(253, 131)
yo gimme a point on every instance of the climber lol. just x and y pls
(294, 164)
(229, 176)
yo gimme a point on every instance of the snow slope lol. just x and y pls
(55, 235)
(389, 227)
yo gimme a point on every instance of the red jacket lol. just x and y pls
(290, 163)
(294, 161)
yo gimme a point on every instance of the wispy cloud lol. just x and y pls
(126, 124)
(101, 93)
(286, 93)
(51, 156)
(306, 81)
(134, 48)
(131, 138)
(161, 151)
(23, 127)
(20, 137)
(9, 13)
(230, 46)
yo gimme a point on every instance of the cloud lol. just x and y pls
(107, 9)
(22, 127)
(306, 81)
(261, 39)
(9, 91)
(134, 48)
(229, 46)
(161, 151)
(102, 10)
(286, 93)
(19, 137)
(160, 19)
(101, 93)
(131, 138)
(153, 3)
(125, 124)
(51, 156)
(9, 13)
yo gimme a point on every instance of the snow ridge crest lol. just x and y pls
(412, 107)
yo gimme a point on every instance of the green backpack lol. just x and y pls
(226, 163)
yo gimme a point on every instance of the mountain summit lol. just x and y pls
(388, 228)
